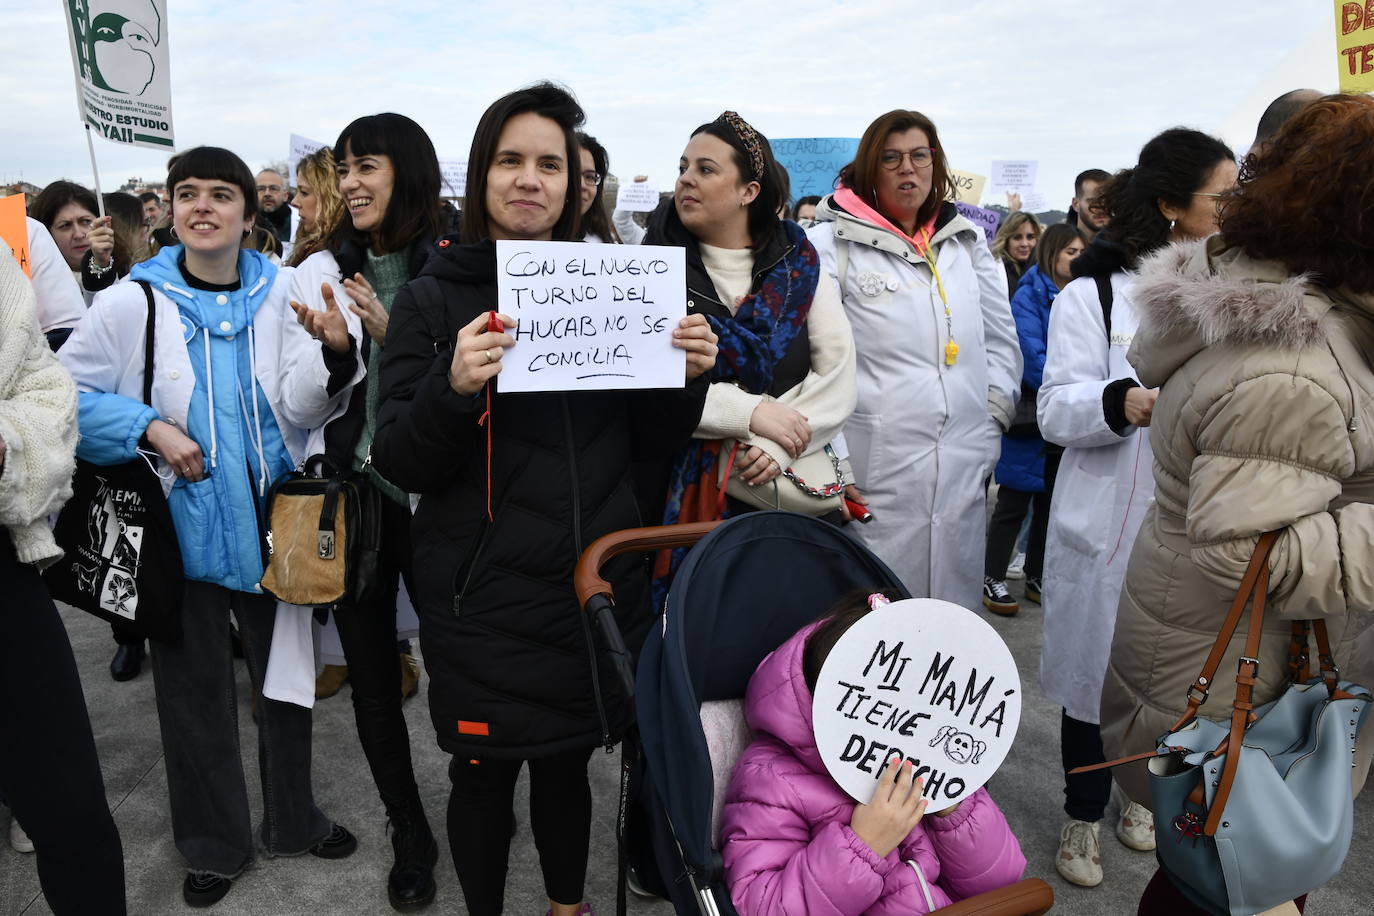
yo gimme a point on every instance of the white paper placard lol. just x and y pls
(637, 196)
(300, 148)
(924, 680)
(454, 177)
(1012, 175)
(1034, 202)
(592, 317)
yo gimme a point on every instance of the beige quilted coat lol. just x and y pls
(1265, 420)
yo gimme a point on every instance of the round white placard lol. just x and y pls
(927, 681)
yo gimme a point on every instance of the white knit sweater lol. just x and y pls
(37, 423)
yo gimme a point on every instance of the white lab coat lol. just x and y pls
(60, 303)
(924, 436)
(1105, 483)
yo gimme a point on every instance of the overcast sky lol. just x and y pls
(1071, 83)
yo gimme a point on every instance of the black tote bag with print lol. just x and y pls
(121, 559)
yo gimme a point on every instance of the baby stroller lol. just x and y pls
(748, 584)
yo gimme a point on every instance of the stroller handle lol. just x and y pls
(587, 577)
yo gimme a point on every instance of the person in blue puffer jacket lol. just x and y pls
(237, 381)
(1025, 471)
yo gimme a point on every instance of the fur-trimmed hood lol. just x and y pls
(1200, 294)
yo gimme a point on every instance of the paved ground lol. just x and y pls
(1028, 788)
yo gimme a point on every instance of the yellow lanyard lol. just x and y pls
(951, 348)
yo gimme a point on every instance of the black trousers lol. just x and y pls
(367, 632)
(49, 772)
(1085, 794)
(1006, 525)
(479, 825)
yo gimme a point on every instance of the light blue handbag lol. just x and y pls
(1255, 812)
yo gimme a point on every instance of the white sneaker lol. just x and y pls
(1080, 856)
(19, 840)
(1136, 826)
(1017, 567)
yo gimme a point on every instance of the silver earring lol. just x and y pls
(1171, 225)
(173, 228)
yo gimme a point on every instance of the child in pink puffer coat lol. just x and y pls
(794, 842)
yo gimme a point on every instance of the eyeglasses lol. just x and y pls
(275, 188)
(1211, 194)
(591, 177)
(922, 157)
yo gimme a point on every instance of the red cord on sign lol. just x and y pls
(495, 326)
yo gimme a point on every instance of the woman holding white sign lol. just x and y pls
(512, 487)
(784, 385)
(388, 177)
(939, 366)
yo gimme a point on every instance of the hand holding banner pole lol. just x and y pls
(95, 171)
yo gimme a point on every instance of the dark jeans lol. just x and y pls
(198, 714)
(1006, 524)
(479, 825)
(368, 634)
(1161, 898)
(1085, 794)
(125, 635)
(49, 772)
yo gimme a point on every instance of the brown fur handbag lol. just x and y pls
(313, 537)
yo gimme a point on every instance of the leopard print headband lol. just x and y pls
(750, 138)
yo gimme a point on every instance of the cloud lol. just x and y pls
(1071, 84)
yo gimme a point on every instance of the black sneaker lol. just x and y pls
(997, 598)
(340, 844)
(202, 889)
(1033, 589)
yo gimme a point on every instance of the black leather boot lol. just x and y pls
(410, 886)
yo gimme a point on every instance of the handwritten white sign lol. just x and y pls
(591, 316)
(637, 196)
(921, 680)
(454, 175)
(1034, 202)
(1012, 175)
(300, 148)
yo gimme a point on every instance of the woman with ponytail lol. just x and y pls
(1091, 404)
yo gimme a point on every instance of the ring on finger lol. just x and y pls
(487, 354)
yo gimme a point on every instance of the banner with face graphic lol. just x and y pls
(920, 680)
(123, 79)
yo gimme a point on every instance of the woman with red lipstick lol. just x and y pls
(512, 488)
(939, 366)
(785, 383)
(389, 181)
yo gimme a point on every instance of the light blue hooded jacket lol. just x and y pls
(217, 519)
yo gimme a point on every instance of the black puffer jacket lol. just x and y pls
(505, 642)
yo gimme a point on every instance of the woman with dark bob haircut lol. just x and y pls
(938, 365)
(343, 295)
(1260, 338)
(229, 408)
(512, 488)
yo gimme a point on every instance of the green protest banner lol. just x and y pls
(123, 78)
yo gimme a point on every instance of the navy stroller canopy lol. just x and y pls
(741, 592)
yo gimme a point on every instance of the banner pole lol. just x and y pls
(95, 171)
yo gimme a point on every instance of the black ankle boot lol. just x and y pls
(410, 886)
